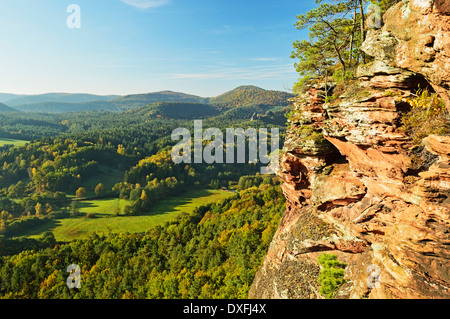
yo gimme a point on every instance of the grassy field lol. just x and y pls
(6, 141)
(104, 222)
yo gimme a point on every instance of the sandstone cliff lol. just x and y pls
(351, 178)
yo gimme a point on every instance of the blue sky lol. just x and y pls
(202, 47)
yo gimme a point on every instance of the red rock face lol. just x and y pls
(422, 28)
(349, 178)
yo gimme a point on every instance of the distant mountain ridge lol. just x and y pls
(165, 96)
(6, 108)
(65, 102)
(8, 96)
(58, 97)
(61, 107)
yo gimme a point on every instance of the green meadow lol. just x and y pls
(105, 222)
(8, 141)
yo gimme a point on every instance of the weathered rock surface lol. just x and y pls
(350, 182)
(422, 30)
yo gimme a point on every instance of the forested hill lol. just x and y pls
(138, 100)
(6, 108)
(7, 96)
(61, 102)
(212, 253)
(176, 110)
(251, 95)
(62, 107)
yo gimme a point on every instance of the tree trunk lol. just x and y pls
(352, 38)
(363, 36)
(339, 55)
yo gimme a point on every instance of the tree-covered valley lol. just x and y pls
(99, 189)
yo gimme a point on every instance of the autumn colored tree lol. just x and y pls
(39, 209)
(144, 196)
(99, 189)
(81, 192)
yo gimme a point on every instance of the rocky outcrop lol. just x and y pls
(355, 184)
(421, 30)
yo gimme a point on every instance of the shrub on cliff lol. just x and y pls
(331, 276)
(427, 116)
